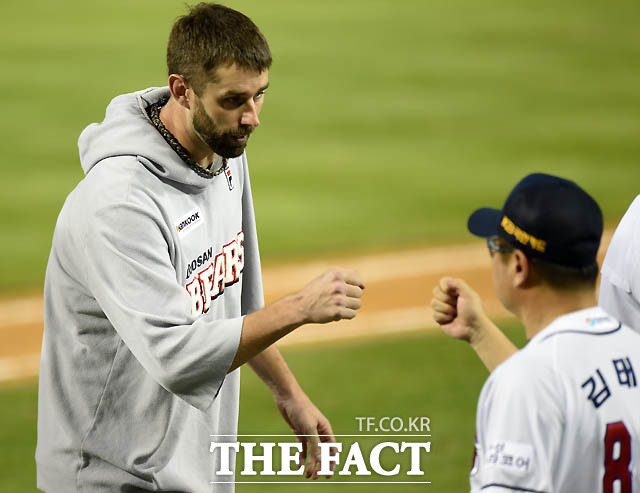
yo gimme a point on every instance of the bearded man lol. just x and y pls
(153, 292)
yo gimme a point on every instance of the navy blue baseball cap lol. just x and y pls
(546, 217)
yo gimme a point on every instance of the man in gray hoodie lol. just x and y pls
(153, 291)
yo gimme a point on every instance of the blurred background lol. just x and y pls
(385, 124)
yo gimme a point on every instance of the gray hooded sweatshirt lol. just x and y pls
(151, 270)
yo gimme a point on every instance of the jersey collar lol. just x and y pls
(593, 320)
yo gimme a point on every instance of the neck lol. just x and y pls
(175, 118)
(545, 305)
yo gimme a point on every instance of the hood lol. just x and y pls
(127, 131)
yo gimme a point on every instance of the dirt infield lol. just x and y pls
(396, 299)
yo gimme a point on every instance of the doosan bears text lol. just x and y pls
(224, 270)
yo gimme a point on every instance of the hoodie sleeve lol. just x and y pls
(252, 294)
(130, 274)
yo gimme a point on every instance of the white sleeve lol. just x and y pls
(130, 274)
(252, 294)
(519, 427)
(620, 283)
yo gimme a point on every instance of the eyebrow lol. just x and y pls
(243, 93)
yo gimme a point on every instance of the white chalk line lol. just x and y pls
(18, 367)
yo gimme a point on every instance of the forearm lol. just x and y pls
(490, 344)
(333, 296)
(272, 369)
(303, 417)
(265, 326)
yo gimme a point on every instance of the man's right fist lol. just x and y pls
(334, 295)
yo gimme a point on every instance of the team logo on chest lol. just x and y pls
(224, 270)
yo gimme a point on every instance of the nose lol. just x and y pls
(250, 114)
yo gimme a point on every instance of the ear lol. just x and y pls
(180, 91)
(521, 269)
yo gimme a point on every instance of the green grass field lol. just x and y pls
(420, 375)
(385, 124)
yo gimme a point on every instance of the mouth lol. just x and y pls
(240, 136)
(240, 139)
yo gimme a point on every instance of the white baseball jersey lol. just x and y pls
(620, 284)
(563, 414)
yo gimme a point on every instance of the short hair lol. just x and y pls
(211, 36)
(564, 278)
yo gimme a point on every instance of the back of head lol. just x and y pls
(563, 278)
(212, 36)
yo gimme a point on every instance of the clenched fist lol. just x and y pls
(334, 295)
(457, 309)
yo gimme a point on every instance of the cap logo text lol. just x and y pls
(522, 236)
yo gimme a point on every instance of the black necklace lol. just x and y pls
(154, 114)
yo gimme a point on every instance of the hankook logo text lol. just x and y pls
(193, 217)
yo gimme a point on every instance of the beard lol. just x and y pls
(222, 143)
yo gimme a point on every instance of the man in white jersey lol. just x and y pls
(560, 415)
(619, 292)
(620, 281)
(153, 292)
